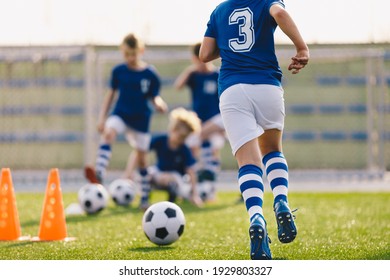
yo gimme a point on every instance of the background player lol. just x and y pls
(173, 158)
(252, 104)
(138, 86)
(202, 79)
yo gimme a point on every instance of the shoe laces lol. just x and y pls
(293, 211)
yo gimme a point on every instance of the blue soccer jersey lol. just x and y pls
(135, 87)
(171, 159)
(244, 32)
(204, 91)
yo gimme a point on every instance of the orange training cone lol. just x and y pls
(53, 224)
(9, 218)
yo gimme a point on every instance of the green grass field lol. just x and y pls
(331, 226)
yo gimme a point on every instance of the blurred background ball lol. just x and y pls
(184, 191)
(163, 223)
(93, 198)
(122, 191)
(206, 191)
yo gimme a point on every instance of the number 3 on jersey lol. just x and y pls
(244, 18)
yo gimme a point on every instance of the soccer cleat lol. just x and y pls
(259, 240)
(91, 175)
(206, 175)
(287, 231)
(172, 192)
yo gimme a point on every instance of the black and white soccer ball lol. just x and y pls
(93, 198)
(206, 191)
(163, 223)
(206, 185)
(184, 191)
(122, 191)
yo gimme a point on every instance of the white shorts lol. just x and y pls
(155, 174)
(248, 110)
(217, 140)
(217, 120)
(193, 140)
(138, 140)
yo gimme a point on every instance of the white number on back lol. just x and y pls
(244, 18)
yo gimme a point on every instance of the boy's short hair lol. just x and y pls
(196, 49)
(189, 119)
(132, 42)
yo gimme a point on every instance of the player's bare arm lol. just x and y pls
(181, 81)
(208, 50)
(195, 199)
(288, 26)
(160, 104)
(104, 110)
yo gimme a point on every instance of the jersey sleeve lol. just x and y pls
(190, 82)
(114, 83)
(154, 143)
(271, 3)
(190, 160)
(211, 31)
(155, 84)
(278, 2)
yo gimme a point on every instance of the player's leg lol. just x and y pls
(270, 114)
(145, 180)
(213, 140)
(242, 131)
(170, 181)
(250, 177)
(207, 170)
(130, 166)
(202, 154)
(104, 153)
(212, 126)
(252, 190)
(193, 142)
(275, 163)
(277, 174)
(113, 126)
(140, 142)
(210, 161)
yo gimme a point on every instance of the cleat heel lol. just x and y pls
(287, 230)
(259, 242)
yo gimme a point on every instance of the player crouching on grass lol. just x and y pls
(173, 158)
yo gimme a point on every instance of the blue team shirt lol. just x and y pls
(244, 32)
(204, 91)
(135, 87)
(171, 160)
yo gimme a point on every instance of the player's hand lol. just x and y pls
(162, 107)
(195, 200)
(299, 61)
(100, 127)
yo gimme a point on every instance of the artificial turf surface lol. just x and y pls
(331, 226)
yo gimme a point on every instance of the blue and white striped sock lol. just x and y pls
(145, 185)
(277, 174)
(252, 190)
(103, 159)
(209, 161)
